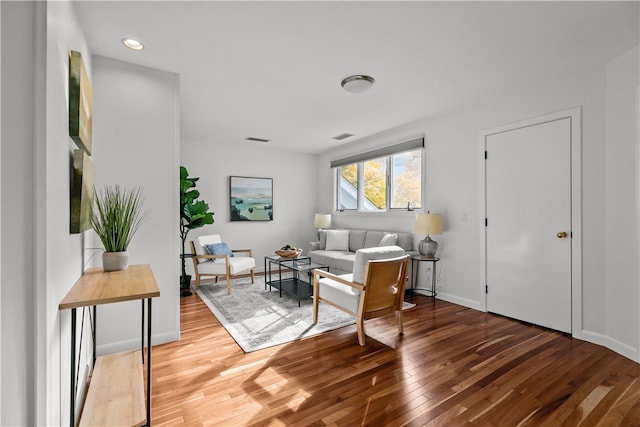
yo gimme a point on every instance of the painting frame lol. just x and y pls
(82, 192)
(80, 103)
(250, 198)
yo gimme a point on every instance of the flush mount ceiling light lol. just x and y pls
(357, 83)
(132, 44)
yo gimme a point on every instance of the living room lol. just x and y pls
(138, 132)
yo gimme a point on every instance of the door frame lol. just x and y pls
(576, 205)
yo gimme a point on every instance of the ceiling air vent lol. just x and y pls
(251, 138)
(342, 136)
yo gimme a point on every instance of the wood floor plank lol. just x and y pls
(453, 366)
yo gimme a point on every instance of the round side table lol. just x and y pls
(415, 263)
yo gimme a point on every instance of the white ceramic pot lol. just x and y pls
(115, 261)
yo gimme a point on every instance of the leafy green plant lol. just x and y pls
(194, 213)
(117, 216)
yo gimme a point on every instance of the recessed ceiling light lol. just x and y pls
(357, 83)
(132, 43)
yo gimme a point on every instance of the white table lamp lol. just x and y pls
(321, 221)
(428, 224)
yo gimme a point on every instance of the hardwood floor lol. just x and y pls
(453, 366)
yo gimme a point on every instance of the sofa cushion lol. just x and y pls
(329, 258)
(389, 239)
(405, 241)
(364, 255)
(356, 239)
(373, 238)
(345, 262)
(323, 239)
(337, 240)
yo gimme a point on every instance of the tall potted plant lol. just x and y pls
(116, 218)
(194, 214)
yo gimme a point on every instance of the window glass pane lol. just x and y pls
(375, 188)
(406, 180)
(348, 186)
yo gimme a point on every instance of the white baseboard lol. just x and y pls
(133, 344)
(476, 305)
(611, 343)
(619, 347)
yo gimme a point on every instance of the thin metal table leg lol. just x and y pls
(433, 281)
(72, 400)
(413, 278)
(148, 361)
(93, 333)
(142, 332)
(280, 278)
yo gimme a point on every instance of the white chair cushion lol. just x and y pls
(201, 243)
(364, 255)
(339, 293)
(237, 265)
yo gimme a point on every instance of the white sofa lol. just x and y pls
(340, 255)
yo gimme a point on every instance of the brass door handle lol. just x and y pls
(562, 235)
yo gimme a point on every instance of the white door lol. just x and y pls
(528, 225)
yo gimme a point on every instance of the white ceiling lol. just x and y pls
(273, 69)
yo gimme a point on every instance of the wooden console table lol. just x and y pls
(116, 392)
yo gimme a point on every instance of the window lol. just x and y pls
(348, 187)
(381, 184)
(406, 180)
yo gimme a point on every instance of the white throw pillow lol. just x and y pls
(337, 240)
(389, 239)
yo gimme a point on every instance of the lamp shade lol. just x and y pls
(428, 223)
(322, 220)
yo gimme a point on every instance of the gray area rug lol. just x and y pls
(258, 319)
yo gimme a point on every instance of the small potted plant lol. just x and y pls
(116, 218)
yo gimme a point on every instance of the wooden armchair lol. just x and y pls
(225, 263)
(376, 287)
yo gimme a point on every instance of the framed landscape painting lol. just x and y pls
(251, 198)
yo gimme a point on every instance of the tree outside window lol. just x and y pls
(398, 176)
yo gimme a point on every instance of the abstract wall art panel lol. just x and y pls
(80, 103)
(82, 191)
(251, 198)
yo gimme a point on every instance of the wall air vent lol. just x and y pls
(342, 136)
(252, 139)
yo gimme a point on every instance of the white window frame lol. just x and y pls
(387, 156)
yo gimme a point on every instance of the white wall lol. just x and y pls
(41, 260)
(621, 251)
(136, 128)
(62, 254)
(452, 188)
(294, 194)
(17, 276)
(1, 401)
